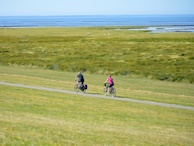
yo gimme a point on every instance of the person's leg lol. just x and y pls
(82, 86)
(110, 88)
(79, 85)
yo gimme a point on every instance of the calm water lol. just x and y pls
(76, 21)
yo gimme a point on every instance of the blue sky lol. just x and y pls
(94, 7)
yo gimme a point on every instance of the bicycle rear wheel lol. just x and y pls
(113, 92)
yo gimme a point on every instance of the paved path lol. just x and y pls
(99, 96)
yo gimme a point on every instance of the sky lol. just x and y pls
(94, 7)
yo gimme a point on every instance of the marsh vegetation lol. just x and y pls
(101, 50)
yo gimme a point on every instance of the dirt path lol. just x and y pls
(99, 96)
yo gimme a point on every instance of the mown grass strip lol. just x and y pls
(98, 96)
(128, 86)
(46, 118)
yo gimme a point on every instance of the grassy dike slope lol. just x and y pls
(167, 56)
(32, 117)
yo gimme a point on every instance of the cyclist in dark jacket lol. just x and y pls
(80, 80)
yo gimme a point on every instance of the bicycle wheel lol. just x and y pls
(113, 92)
(76, 89)
(105, 91)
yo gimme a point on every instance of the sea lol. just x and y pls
(176, 23)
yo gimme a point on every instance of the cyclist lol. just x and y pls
(111, 83)
(80, 80)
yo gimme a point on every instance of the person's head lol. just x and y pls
(79, 72)
(110, 75)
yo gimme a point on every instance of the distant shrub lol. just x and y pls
(53, 67)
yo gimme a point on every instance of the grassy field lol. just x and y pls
(101, 50)
(129, 87)
(32, 117)
(145, 66)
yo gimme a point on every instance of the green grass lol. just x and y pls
(129, 87)
(31, 117)
(51, 57)
(167, 56)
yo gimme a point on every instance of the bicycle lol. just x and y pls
(83, 88)
(112, 90)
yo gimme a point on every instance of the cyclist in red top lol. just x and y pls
(110, 81)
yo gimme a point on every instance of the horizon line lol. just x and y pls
(91, 15)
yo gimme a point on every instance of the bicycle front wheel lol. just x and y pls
(76, 89)
(105, 91)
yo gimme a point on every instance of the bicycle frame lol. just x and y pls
(77, 88)
(112, 90)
